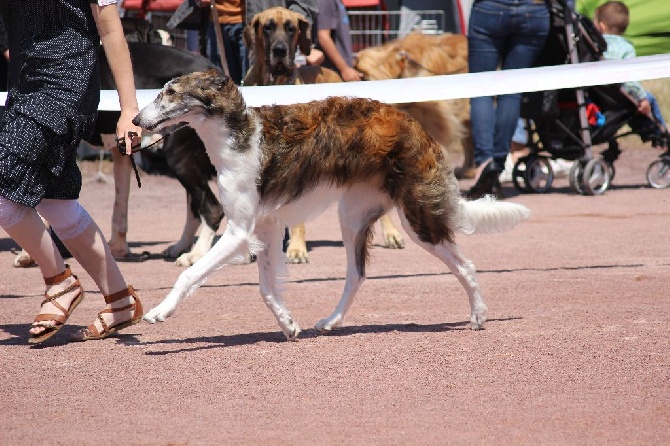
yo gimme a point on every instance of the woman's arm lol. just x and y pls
(116, 49)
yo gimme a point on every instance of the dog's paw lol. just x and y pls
(393, 240)
(326, 325)
(290, 328)
(478, 318)
(23, 260)
(187, 259)
(158, 314)
(174, 251)
(297, 256)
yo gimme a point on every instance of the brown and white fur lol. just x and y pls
(273, 37)
(280, 165)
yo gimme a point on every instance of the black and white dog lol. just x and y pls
(280, 165)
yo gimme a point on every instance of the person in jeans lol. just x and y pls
(508, 34)
(231, 20)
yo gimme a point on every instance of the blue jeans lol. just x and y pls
(508, 34)
(234, 48)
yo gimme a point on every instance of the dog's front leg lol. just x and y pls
(233, 243)
(392, 237)
(271, 268)
(296, 252)
(121, 167)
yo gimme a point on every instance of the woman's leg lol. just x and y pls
(25, 227)
(83, 238)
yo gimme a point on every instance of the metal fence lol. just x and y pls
(373, 28)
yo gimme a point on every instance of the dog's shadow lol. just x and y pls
(19, 335)
(224, 341)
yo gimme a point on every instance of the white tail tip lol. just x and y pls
(487, 215)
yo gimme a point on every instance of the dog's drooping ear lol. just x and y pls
(305, 39)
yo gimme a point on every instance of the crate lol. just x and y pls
(374, 28)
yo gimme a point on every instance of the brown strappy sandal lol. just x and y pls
(91, 332)
(42, 320)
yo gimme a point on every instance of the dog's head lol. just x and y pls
(189, 98)
(277, 33)
(414, 55)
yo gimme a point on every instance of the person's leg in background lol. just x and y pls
(483, 55)
(656, 110)
(530, 26)
(236, 52)
(486, 43)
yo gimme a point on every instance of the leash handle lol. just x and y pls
(121, 145)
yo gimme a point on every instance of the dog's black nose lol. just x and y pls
(136, 120)
(280, 50)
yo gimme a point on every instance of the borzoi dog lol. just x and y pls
(280, 165)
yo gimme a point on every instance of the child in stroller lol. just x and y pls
(565, 124)
(611, 19)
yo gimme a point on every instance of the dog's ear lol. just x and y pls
(255, 23)
(213, 80)
(305, 37)
(248, 36)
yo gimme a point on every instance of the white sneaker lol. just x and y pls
(506, 175)
(561, 167)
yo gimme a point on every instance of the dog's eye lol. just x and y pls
(268, 27)
(169, 91)
(289, 27)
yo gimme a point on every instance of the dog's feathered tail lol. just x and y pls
(487, 215)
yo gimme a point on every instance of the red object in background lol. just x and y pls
(361, 3)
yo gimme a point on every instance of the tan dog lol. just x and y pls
(272, 38)
(419, 55)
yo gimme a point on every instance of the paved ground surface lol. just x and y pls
(576, 349)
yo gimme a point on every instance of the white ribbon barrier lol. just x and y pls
(454, 86)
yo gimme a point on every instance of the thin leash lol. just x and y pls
(121, 145)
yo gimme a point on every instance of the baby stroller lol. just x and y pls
(566, 123)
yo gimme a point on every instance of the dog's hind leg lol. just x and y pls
(357, 216)
(271, 270)
(462, 268)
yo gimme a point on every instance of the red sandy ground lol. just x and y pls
(576, 349)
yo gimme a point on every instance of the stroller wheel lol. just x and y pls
(539, 174)
(575, 177)
(519, 175)
(596, 177)
(658, 173)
